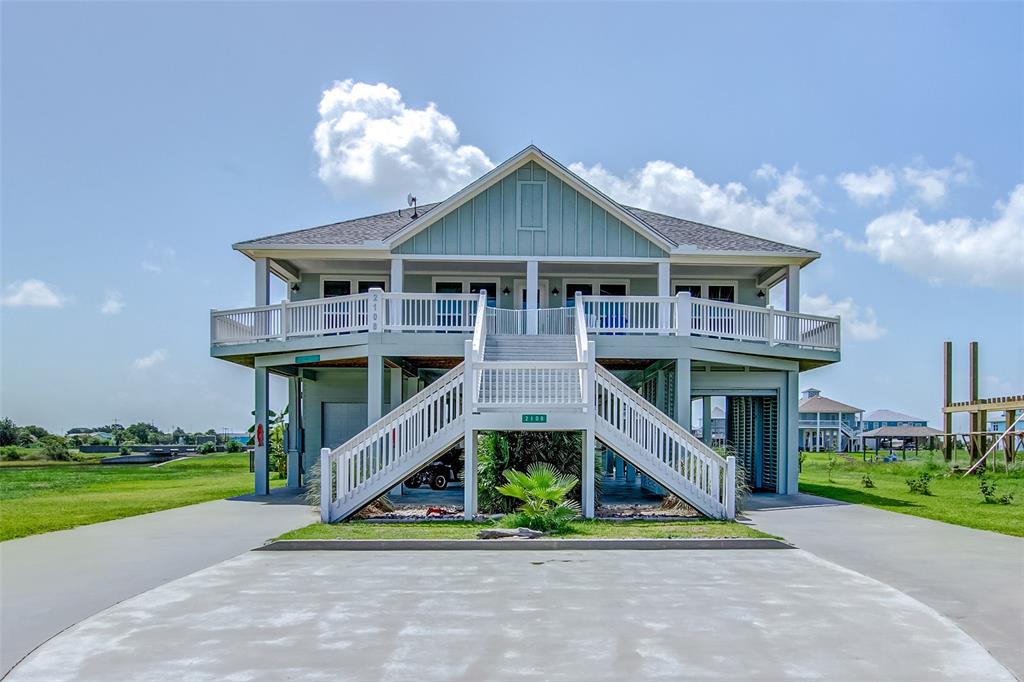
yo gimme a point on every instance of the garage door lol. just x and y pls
(341, 421)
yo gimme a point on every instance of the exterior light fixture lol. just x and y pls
(760, 293)
(506, 291)
(295, 286)
(554, 292)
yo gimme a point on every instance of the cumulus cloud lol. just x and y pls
(961, 250)
(149, 361)
(31, 292)
(877, 184)
(931, 184)
(858, 322)
(369, 140)
(113, 303)
(786, 213)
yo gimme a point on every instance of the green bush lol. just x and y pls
(10, 453)
(920, 485)
(541, 492)
(233, 446)
(866, 481)
(206, 448)
(987, 489)
(56, 448)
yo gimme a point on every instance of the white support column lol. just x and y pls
(395, 376)
(293, 432)
(793, 288)
(683, 392)
(532, 295)
(397, 287)
(261, 450)
(665, 290)
(588, 482)
(262, 281)
(326, 493)
(374, 386)
(469, 475)
(705, 429)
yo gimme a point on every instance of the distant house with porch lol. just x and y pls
(827, 424)
(876, 419)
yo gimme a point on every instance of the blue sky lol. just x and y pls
(140, 141)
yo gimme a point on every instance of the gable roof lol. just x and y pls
(902, 432)
(820, 403)
(890, 416)
(393, 227)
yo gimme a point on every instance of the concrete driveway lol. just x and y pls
(484, 615)
(49, 582)
(973, 577)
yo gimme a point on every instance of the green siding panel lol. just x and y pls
(487, 224)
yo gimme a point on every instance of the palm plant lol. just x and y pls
(541, 491)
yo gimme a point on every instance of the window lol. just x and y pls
(532, 206)
(337, 287)
(346, 285)
(365, 286)
(692, 289)
(490, 287)
(715, 291)
(722, 292)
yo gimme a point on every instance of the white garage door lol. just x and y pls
(341, 421)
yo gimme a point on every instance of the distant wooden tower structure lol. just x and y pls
(977, 436)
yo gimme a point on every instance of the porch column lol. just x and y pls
(588, 474)
(664, 290)
(469, 475)
(395, 376)
(397, 287)
(294, 425)
(374, 386)
(683, 392)
(262, 281)
(261, 450)
(793, 288)
(789, 414)
(705, 429)
(531, 296)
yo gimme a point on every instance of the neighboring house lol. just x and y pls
(827, 424)
(718, 427)
(522, 302)
(879, 418)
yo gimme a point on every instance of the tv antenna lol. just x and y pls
(411, 200)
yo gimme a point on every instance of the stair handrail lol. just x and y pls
(480, 327)
(581, 334)
(388, 425)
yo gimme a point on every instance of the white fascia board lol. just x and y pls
(313, 251)
(502, 170)
(767, 258)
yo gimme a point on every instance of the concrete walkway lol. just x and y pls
(49, 582)
(973, 577)
(492, 615)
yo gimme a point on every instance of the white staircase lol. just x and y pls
(509, 374)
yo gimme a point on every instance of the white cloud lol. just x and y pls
(152, 360)
(931, 184)
(113, 303)
(368, 139)
(961, 250)
(32, 292)
(786, 213)
(858, 322)
(876, 184)
(149, 266)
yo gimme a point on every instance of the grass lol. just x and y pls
(467, 530)
(954, 499)
(36, 498)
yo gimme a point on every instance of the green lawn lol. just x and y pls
(467, 530)
(40, 498)
(954, 499)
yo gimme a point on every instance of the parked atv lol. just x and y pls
(439, 473)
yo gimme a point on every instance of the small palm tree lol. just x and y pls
(541, 490)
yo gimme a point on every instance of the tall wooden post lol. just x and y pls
(948, 442)
(977, 445)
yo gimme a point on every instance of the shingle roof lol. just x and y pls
(381, 226)
(902, 432)
(820, 403)
(890, 416)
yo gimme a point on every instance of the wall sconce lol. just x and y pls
(295, 286)
(506, 291)
(554, 292)
(760, 293)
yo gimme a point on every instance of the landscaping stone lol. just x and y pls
(500, 533)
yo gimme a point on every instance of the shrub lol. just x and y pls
(233, 446)
(56, 448)
(830, 467)
(800, 462)
(10, 453)
(920, 485)
(987, 489)
(206, 448)
(866, 481)
(541, 491)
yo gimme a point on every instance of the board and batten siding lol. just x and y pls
(489, 224)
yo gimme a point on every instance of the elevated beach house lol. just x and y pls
(827, 424)
(524, 301)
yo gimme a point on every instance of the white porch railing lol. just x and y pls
(662, 448)
(431, 312)
(366, 466)
(558, 321)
